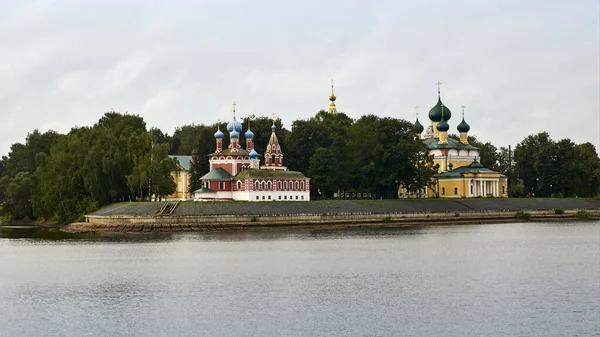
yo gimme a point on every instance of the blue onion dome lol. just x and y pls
(463, 126)
(435, 114)
(249, 134)
(219, 134)
(418, 127)
(273, 127)
(443, 125)
(234, 134)
(234, 125)
(253, 154)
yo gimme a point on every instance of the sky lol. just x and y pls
(519, 67)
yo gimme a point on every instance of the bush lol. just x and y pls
(456, 215)
(559, 211)
(254, 219)
(387, 219)
(582, 214)
(523, 215)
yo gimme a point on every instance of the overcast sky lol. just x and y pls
(519, 67)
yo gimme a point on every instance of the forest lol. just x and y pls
(61, 177)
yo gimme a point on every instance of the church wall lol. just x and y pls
(181, 179)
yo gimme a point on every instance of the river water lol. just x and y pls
(525, 279)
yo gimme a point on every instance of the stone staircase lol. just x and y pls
(168, 207)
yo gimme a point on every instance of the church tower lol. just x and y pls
(435, 114)
(273, 154)
(418, 128)
(332, 98)
(463, 128)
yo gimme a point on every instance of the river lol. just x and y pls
(522, 279)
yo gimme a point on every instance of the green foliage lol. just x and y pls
(387, 219)
(523, 215)
(563, 169)
(559, 211)
(583, 215)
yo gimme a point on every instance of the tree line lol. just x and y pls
(64, 176)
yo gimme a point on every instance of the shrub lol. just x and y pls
(559, 211)
(254, 219)
(387, 219)
(583, 214)
(456, 215)
(523, 215)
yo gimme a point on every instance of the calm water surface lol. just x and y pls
(536, 279)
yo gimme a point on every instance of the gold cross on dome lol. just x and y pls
(463, 110)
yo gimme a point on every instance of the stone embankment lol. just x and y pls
(198, 216)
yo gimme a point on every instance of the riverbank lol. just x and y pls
(223, 216)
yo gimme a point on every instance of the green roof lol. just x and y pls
(432, 143)
(474, 168)
(217, 174)
(204, 190)
(184, 161)
(269, 174)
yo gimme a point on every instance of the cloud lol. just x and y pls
(66, 63)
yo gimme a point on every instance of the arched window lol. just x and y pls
(269, 186)
(285, 185)
(279, 184)
(302, 186)
(264, 185)
(256, 185)
(297, 185)
(239, 185)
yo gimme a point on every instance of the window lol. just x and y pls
(256, 185)
(279, 186)
(264, 185)
(302, 197)
(285, 197)
(302, 185)
(456, 190)
(285, 185)
(503, 191)
(297, 185)
(269, 186)
(471, 189)
(443, 191)
(269, 197)
(257, 197)
(296, 197)
(279, 197)
(221, 185)
(239, 185)
(263, 197)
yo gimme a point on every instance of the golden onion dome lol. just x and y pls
(332, 98)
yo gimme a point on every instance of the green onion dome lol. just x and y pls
(418, 127)
(443, 125)
(463, 126)
(435, 114)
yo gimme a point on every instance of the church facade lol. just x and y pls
(460, 174)
(237, 174)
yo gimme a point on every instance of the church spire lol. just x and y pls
(332, 98)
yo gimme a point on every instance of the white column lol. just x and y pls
(497, 188)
